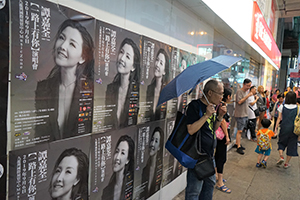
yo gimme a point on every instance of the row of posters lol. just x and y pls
(75, 75)
(84, 116)
(129, 163)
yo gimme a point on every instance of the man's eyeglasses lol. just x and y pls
(219, 93)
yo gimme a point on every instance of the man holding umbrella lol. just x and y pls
(207, 123)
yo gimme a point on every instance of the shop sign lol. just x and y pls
(294, 75)
(262, 36)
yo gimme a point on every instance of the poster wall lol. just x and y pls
(154, 76)
(172, 168)
(52, 68)
(149, 159)
(117, 73)
(112, 161)
(50, 171)
(80, 83)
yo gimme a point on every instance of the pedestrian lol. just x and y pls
(241, 112)
(288, 89)
(274, 112)
(261, 103)
(221, 149)
(274, 96)
(287, 139)
(252, 118)
(264, 143)
(207, 123)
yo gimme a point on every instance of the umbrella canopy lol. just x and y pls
(194, 75)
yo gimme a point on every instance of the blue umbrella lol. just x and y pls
(195, 74)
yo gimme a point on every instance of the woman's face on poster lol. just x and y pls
(154, 143)
(121, 156)
(64, 178)
(125, 59)
(68, 48)
(159, 69)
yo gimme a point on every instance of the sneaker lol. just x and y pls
(286, 165)
(264, 163)
(258, 165)
(280, 161)
(240, 151)
(243, 147)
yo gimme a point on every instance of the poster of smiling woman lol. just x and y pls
(117, 73)
(149, 159)
(57, 170)
(52, 72)
(113, 158)
(154, 76)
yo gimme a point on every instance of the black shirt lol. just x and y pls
(196, 110)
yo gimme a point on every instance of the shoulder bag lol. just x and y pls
(181, 144)
(205, 166)
(256, 111)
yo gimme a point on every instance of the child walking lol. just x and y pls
(264, 146)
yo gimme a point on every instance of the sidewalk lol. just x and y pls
(251, 183)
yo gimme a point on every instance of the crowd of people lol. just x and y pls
(255, 111)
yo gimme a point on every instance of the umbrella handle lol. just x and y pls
(215, 114)
(204, 96)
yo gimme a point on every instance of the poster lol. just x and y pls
(187, 59)
(172, 168)
(117, 73)
(154, 76)
(113, 158)
(172, 105)
(52, 72)
(43, 171)
(149, 159)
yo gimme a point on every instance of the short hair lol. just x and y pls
(81, 188)
(246, 81)
(253, 86)
(290, 98)
(265, 123)
(280, 95)
(266, 91)
(227, 92)
(277, 90)
(210, 85)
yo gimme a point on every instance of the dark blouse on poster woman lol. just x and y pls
(127, 188)
(47, 97)
(129, 113)
(156, 180)
(160, 111)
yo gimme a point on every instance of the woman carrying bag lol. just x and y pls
(261, 104)
(222, 141)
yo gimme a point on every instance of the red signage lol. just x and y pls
(263, 37)
(294, 75)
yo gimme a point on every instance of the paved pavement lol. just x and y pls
(248, 182)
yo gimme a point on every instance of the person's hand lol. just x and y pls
(275, 132)
(256, 97)
(222, 110)
(210, 109)
(227, 140)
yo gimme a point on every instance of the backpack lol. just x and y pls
(263, 141)
(297, 123)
